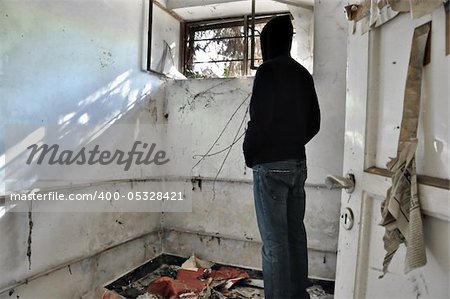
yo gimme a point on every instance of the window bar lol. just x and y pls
(149, 34)
(245, 64)
(206, 25)
(189, 63)
(219, 38)
(252, 41)
(182, 50)
(220, 60)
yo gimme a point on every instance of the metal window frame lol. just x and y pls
(247, 21)
(252, 39)
(149, 33)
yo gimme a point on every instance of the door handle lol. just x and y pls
(339, 182)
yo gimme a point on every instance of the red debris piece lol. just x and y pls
(231, 275)
(186, 274)
(225, 273)
(193, 281)
(163, 286)
(189, 281)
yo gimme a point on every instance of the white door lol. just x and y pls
(377, 66)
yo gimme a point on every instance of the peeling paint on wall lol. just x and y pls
(88, 66)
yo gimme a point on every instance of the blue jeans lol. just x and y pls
(279, 195)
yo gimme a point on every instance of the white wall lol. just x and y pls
(77, 61)
(74, 62)
(330, 58)
(225, 218)
(223, 213)
(303, 43)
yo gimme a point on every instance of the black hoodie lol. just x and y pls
(284, 111)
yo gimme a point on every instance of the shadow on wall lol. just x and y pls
(120, 101)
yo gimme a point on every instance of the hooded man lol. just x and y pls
(284, 116)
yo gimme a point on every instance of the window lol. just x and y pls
(223, 48)
(161, 41)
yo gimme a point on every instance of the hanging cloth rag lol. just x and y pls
(401, 215)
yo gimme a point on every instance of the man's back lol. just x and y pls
(284, 112)
(284, 116)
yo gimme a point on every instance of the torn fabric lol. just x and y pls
(371, 14)
(400, 5)
(386, 13)
(418, 8)
(401, 215)
(356, 12)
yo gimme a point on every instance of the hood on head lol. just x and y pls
(276, 37)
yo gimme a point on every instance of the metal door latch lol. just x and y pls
(339, 182)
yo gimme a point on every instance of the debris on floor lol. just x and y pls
(193, 263)
(194, 281)
(147, 296)
(171, 277)
(317, 292)
(195, 278)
